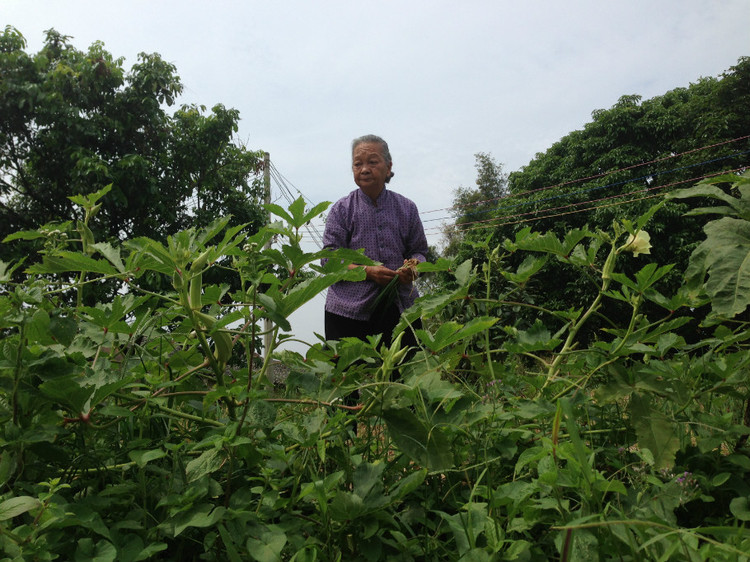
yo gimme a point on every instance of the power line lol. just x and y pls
(593, 208)
(648, 178)
(588, 178)
(286, 192)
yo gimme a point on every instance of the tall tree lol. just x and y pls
(72, 122)
(472, 205)
(619, 165)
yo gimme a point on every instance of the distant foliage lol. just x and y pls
(617, 166)
(72, 121)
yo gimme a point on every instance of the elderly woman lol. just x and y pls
(387, 226)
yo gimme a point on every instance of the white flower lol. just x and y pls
(638, 244)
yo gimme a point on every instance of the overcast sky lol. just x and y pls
(439, 80)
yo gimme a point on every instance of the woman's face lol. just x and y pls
(370, 168)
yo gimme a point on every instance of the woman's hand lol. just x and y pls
(407, 273)
(380, 274)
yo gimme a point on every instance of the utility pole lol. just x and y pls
(267, 325)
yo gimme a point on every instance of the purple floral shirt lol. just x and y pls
(389, 233)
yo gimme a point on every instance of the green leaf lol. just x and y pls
(407, 485)
(740, 508)
(727, 260)
(112, 254)
(25, 235)
(68, 391)
(279, 212)
(347, 506)
(275, 311)
(528, 268)
(315, 211)
(208, 462)
(442, 264)
(142, 458)
(63, 329)
(450, 333)
(267, 545)
(368, 476)
(90, 199)
(655, 431)
(201, 516)
(463, 273)
(150, 550)
(16, 506)
(6, 270)
(232, 554)
(426, 446)
(705, 189)
(104, 551)
(71, 261)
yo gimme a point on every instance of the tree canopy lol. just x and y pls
(74, 121)
(620, 164)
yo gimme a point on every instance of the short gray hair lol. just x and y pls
(384, 151)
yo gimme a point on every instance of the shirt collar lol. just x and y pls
(378, 202)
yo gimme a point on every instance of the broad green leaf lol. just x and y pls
(25, 235)
(112, 253)
(279, 212)
(727, 260)
(346, 506)
(6, 270)
(366, 477)
(71, 261)
(407, 485)
(90, 199)
(14, 507)
(208, 462)
(275, 311)
(463, 273)
(63, 329)
(208, 233)
(549, 243)
(309, 289)
(740, 508)
(655, 431)
(267, 545)
(150, 550)
(528, 268)
(297, 209)
(142, 458)
(229, 543)
(426, 446)
(67, 390)
(103, 551)
(108, 389)
(450, 333)
(705, 189)
(201, 516)
(536, 338)
(315, 211)
(442, 264)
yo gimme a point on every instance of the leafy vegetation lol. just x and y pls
(146, 427)
(540, 418)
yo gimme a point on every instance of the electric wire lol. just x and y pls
(587, 178)
(286, 192)
(595, 207)
(648, 178)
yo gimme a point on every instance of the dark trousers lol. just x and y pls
(338, 327)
